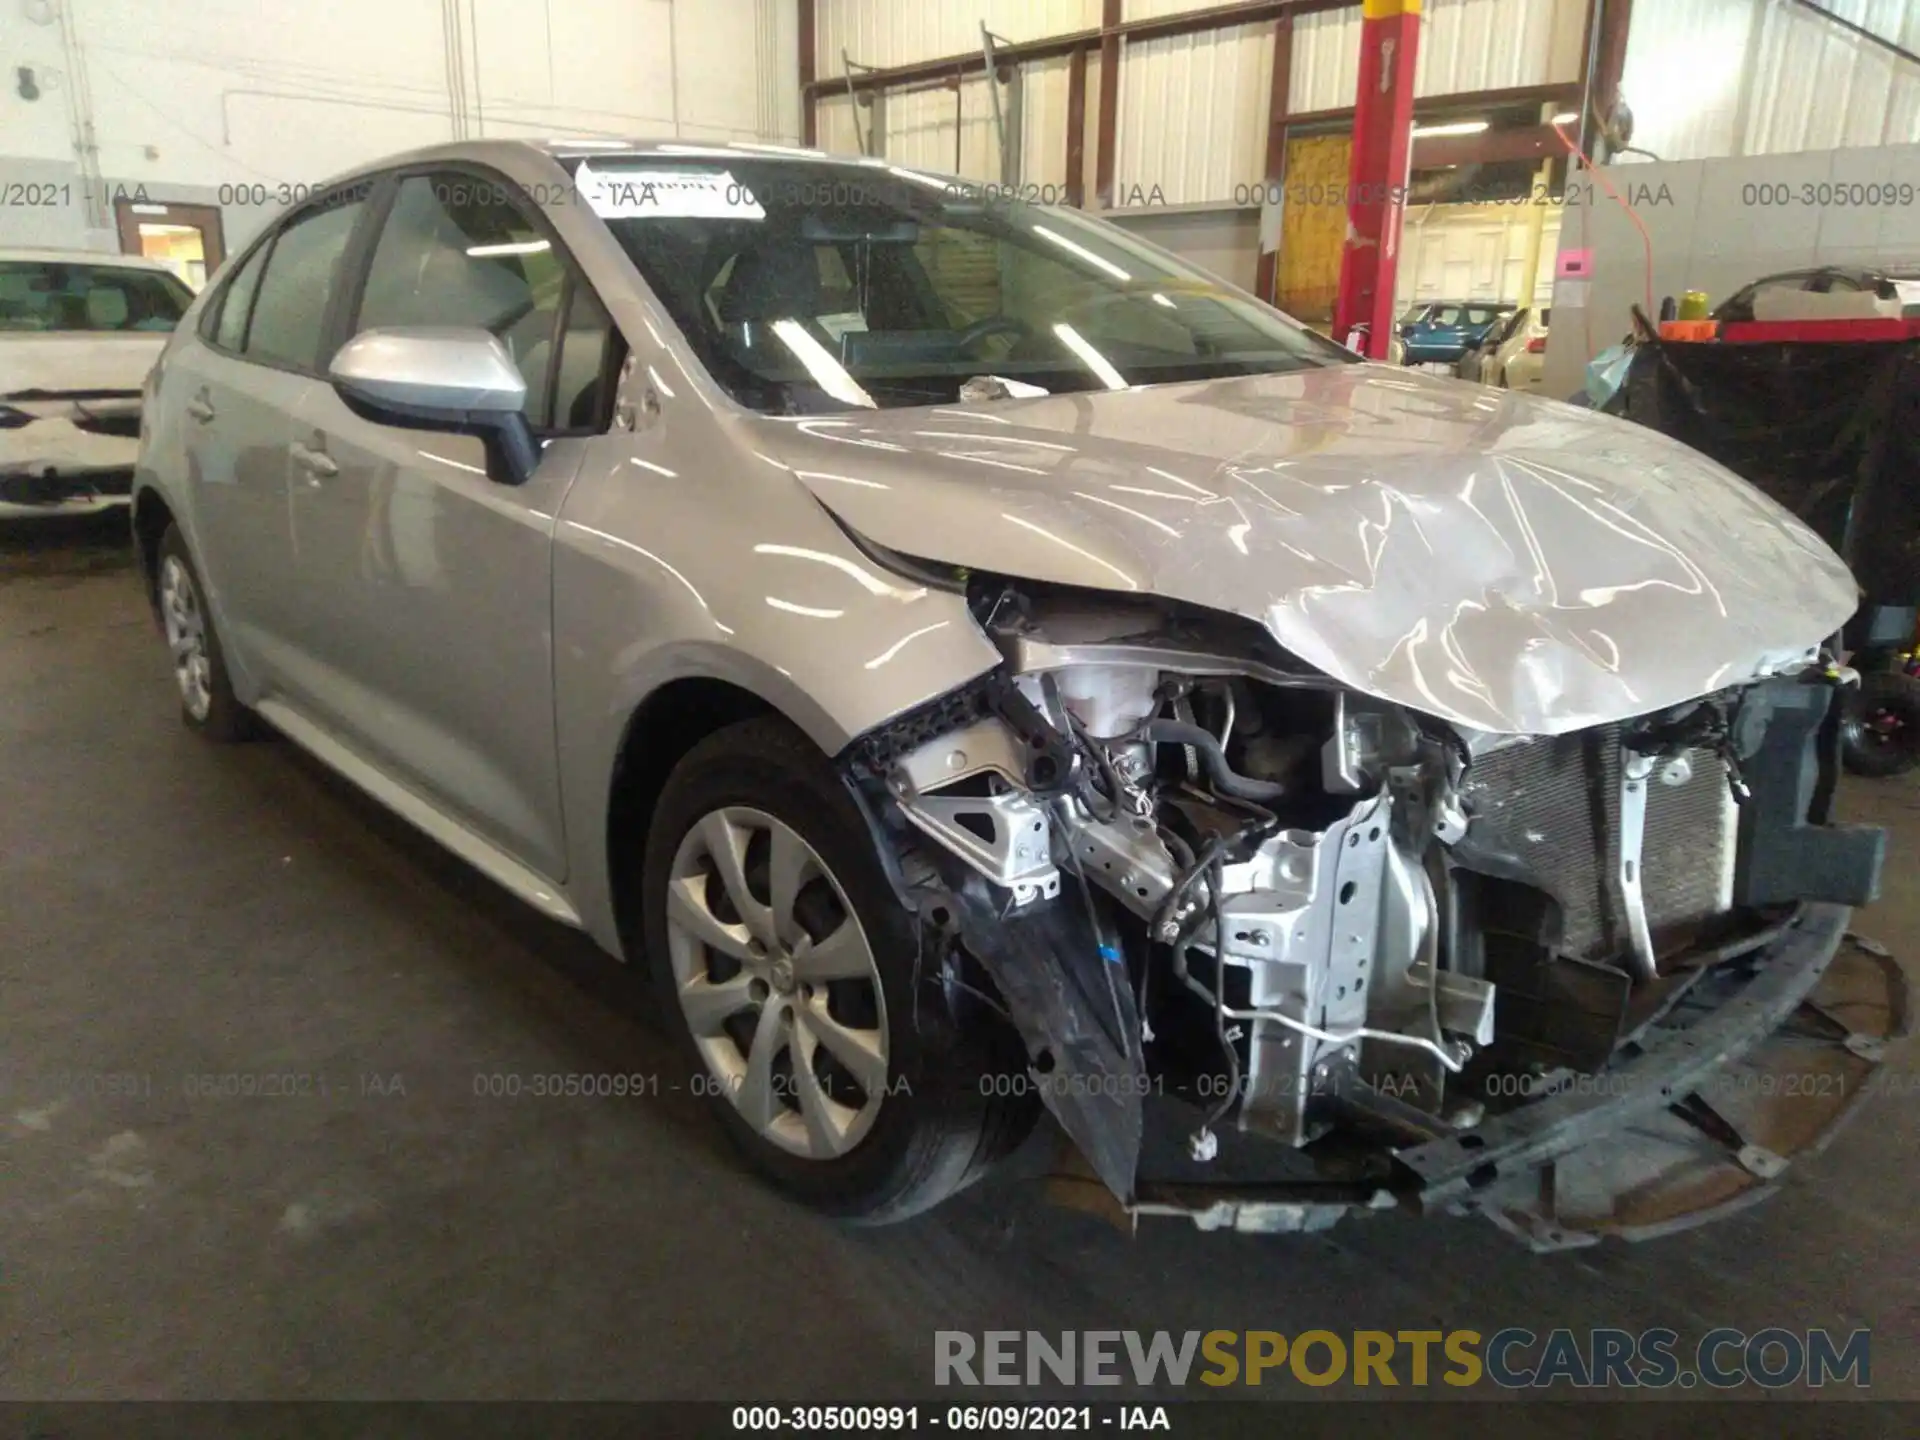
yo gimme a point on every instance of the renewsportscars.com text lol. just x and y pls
(1512, 1358)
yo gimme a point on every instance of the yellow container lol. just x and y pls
(1693, 305)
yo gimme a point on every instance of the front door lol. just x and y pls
(239, 388)
(427, 581)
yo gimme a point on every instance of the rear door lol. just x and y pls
(425, 625)
(240, 387)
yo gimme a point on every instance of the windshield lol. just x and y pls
(810, 287)
(45, 295)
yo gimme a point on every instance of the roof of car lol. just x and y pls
(80, 257)
(565, 148)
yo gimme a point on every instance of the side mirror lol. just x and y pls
(431, 377)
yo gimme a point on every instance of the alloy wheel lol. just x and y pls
(186, 628)
(778, 983)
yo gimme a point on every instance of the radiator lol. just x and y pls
(1552, 808)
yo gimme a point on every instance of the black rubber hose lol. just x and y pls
(1178, 732)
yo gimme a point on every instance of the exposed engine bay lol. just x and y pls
(1182, 863)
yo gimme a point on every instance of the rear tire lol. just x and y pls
(1880, 726)
(864, 1101)
(207, 701)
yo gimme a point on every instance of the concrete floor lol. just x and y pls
(169, 908)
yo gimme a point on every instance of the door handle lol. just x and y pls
(200, 408)
(317, 463)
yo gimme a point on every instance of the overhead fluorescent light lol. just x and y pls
(1566, 117)
(148, 209)
(1457, 127)
(508, 247)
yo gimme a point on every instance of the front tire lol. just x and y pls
(207, 702)
(787, 967)
(1880, 725)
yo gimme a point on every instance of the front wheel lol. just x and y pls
(789, 970)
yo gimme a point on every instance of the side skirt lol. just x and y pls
(486, 857)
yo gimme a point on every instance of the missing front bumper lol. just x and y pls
(1700, 1118)
(1707, 1120)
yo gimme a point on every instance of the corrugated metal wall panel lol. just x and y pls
(1496, 45)
(1193, 115)
(889, 32)
(919, 129)
(1465, 45)
(1682, 76)
(1043, 126)
(1827, 89)
(833, 125)
(1813, 86)
(1326, 60)
(1151, 9)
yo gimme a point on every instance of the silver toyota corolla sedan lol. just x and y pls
(983, 664)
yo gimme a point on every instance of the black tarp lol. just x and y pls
(1831, 431)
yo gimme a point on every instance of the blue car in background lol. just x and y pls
(1440, 331)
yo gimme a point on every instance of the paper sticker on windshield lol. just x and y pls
(666, 194)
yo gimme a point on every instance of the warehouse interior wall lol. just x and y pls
(1192, 118)
(1222, 242)
(1705, 79)
(1476, 252)
(1713, 78)
(225, 101)
(1715, 225)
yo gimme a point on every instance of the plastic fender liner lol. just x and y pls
(1069, 995)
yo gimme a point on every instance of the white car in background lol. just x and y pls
(78, 333)
(1516, 357)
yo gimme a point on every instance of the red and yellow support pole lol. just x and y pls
(1377, 179)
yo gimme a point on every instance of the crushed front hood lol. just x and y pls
(1510, 563)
